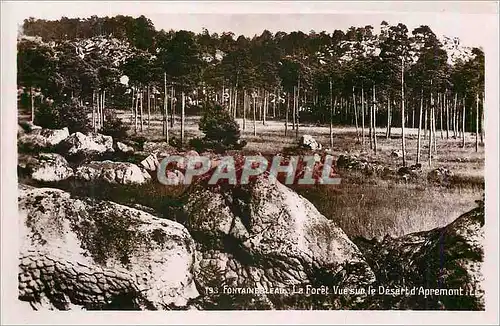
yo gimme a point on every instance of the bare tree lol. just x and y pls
(403, 145)
(374, 109)
(463, 123)
(420, 125)
(183, 116)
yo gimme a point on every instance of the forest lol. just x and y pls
(396, 78)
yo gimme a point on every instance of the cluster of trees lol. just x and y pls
(395, 78)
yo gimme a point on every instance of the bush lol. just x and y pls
(47, 116)
(114, 127)
(219, 127)
(71, 115)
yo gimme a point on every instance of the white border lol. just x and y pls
(14, 312)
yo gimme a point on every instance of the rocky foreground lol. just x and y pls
(255, 246)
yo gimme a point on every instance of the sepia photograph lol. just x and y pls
(251, 159)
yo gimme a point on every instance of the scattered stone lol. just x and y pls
(309, 142)
(112, 172)
(89, 144)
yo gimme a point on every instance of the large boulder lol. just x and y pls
(309, 142)
(112, 172)
(42, 138)
(100, 255)
(89, 144)
(447, 259)
(266, 236)
(48, 167)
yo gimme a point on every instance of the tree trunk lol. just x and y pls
(388, 131)
(430, 131)
(132, 108)
(286, 112)
(463, 123)
(254, 116)
(374, 108)
(136, 113)
(32, 105)
(355, 112)
(172, 108)
(332, 107)
(482, 122)
(245, 105)
(103, 106)
(298, 106)
(362, 117)
(235, 101)
(441, 100)
(370, 130)
(434, 123)
(165, 104)
(142, 109)
(294, 106)
(183, 116)
(265, 108)
(149, 107)
(455, 117)
(413, 115)
(426, 120)
(94, 126)
(477, 121)
(274, 104)
(420, 125)
(447, 113)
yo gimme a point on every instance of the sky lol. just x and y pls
(474, 22)
(467, 27)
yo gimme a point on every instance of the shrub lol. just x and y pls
(114, 127)
(47, 116)
(71, 115)
(219, 127)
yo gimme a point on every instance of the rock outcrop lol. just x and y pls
(38, 139)
(112, 172)
(448, 258)
(266, 236)
(48, 167)
(100, 255)
(86, 145)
